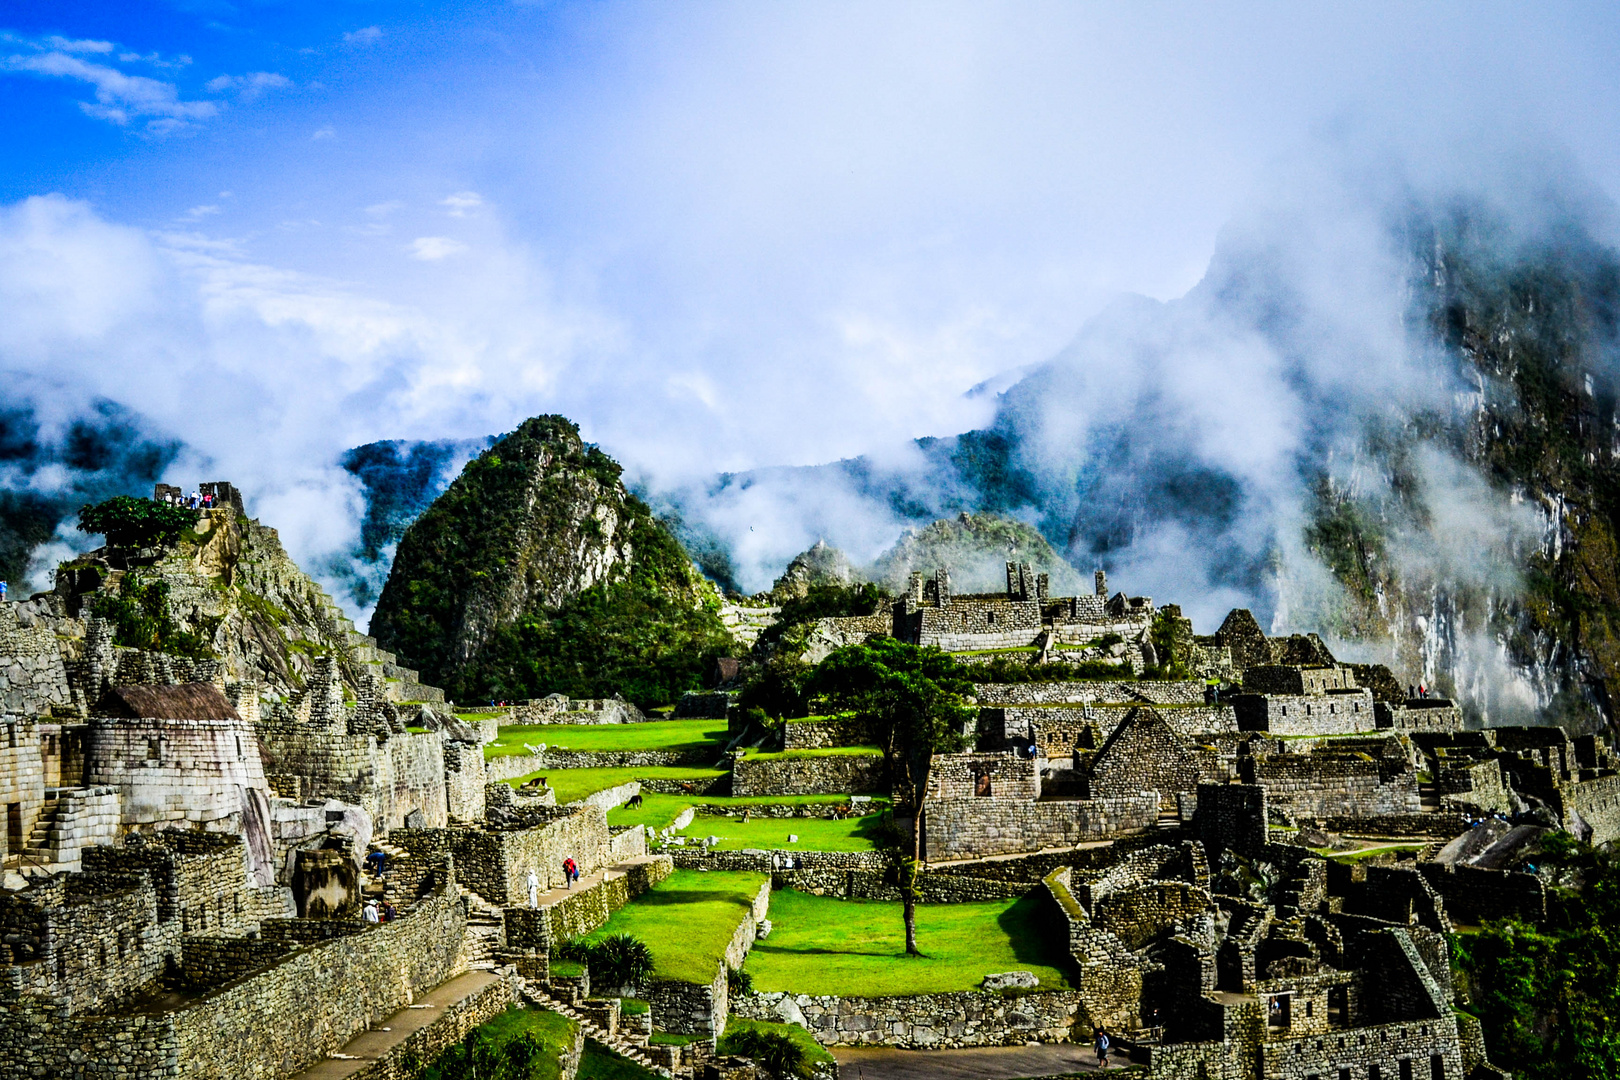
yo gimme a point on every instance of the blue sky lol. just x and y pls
(717, 235)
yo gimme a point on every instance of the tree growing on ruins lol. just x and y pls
(130, 522)
(914, 698)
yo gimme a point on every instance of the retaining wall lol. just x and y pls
(925, 1021)
(831, 774)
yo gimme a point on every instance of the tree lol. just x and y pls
(130, 522)
(914, 698)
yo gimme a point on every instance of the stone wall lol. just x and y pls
(464, 782)
(822, 774)
(389, 780)
(924, 1021)
(32, 675)
(966, 828)
(22, 778)
(1325, 784)
(1059, 729)
(309, 1004)
(824, 733)
(404, 1060)
(932, 887)
(1595, 804)
(512, 766)
(82, 941)
(765, 862)
(697, 1009)
(174, 771)
(1309, 714)
(1145, 692)
(1428, 823)
(495, 863)
(992, 776)
(587, 909)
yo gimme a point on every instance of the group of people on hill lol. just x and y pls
(199, 501)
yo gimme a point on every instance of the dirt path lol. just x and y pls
(984, 1063)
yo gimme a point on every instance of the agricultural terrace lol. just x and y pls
(823, 946)
(652, 735)
(572, 785)
(813, 834)
(658, 811)
(687, 920)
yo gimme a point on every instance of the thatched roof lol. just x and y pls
(185, 701)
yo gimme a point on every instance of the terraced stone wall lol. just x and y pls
(973, 827)
(926, 1021)
(830, 774)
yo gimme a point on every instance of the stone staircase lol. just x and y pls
(400, 683)
(486, 930)
(588, 1020)
(41, 845)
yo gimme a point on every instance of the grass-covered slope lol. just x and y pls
(536, 572)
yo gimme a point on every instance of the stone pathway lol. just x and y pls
(587, 882)
(368, 1046)
(981, 1063)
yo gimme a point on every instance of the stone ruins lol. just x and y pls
(189, 841)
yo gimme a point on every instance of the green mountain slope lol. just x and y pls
(537, 572)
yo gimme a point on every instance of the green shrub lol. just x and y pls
(140, 616)
(128, 522)
(775, 1053)
(738, 982)
(620, 960)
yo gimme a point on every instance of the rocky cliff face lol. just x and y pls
(529, 574)
(226, 591)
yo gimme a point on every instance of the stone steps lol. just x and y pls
(543, 999)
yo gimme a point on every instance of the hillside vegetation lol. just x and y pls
(536, 572)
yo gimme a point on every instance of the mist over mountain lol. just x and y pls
(1384, 415)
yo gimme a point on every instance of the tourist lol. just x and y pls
(3, 588)
(1102, 1049)
(534, 888)
(568, 871)
(389, 914)
(376, 861)
(369, 912)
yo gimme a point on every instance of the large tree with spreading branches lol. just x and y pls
(914, 699)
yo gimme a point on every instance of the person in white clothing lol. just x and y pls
(369, 912)
(534, 889)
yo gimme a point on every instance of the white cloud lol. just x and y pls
(67, 45)
(249, 86)
(433, 248)
(119, 97)
(363, 36)
(462, 202)
(197, 213)
(323, 132)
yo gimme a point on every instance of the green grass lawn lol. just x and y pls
(572, 784)
(836, 751)
(658, 811)
(815, 834)
(471, 717)
(825, 946)
(686, 920)
(653, 735)
(553, 1029)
